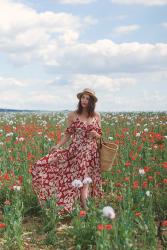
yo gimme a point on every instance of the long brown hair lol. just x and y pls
(91, 106)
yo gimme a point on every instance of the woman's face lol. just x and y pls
(85, 100)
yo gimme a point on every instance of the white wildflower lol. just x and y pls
(148, 193)
(110, 138)
(9, 134)
(77, 183)
(20, 138)
(87, 180)
(146, 130)
(1, 143)
(141, 171)
(49, 139)
(165, 136)
(137, 134)
(18, 188)
(109, 212)
(138, 124)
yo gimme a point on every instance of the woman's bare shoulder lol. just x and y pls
(72, 115)
(97, 115)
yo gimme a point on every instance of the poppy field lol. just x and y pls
(131, 215)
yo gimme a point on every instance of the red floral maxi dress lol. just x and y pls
(55, 173)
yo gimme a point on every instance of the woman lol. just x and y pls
(67, 173)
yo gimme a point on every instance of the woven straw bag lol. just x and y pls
(108, 152)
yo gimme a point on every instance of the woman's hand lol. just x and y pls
(52, 149)
(94, 134)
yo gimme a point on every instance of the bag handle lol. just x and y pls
(101, 140)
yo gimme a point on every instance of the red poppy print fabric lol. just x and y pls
(53, 174)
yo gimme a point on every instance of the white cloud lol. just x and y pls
(47, 95)
(43, 98)
(115, 93)
(142, 2)
(164, 24)
(11, 99)
(33, 99)
(75, 1)
(105, 56)
(126, 29)
(89, 20)
(153, 97)
(121, 17)
(52, 39)
(26, 35)
(23, 30)
(101, 83)
(10, 82)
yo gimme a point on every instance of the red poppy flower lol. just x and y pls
(82, 213)
(6, 176)
(126, 179)
(135, 184)
(118, 184)
(164, 223)
(165, 181)
(20, 179)
(119, 197)
(108, 226)
(150, 178)
(100, 227)
(146, 169)
(127, 164)
(7, 203)
(138, 214)
(164, 164)
(157, 173)
(145, 184)
(2, 225)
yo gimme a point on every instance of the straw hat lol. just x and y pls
(89, 92)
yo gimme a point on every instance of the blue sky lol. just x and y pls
(52, 49)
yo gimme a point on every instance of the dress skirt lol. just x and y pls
(62, 174)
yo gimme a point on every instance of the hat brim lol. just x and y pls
(85, 92)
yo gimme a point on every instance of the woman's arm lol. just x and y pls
(99, 133)
(66, 136)
(99, 119)
(94, 133)
(64, 139)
